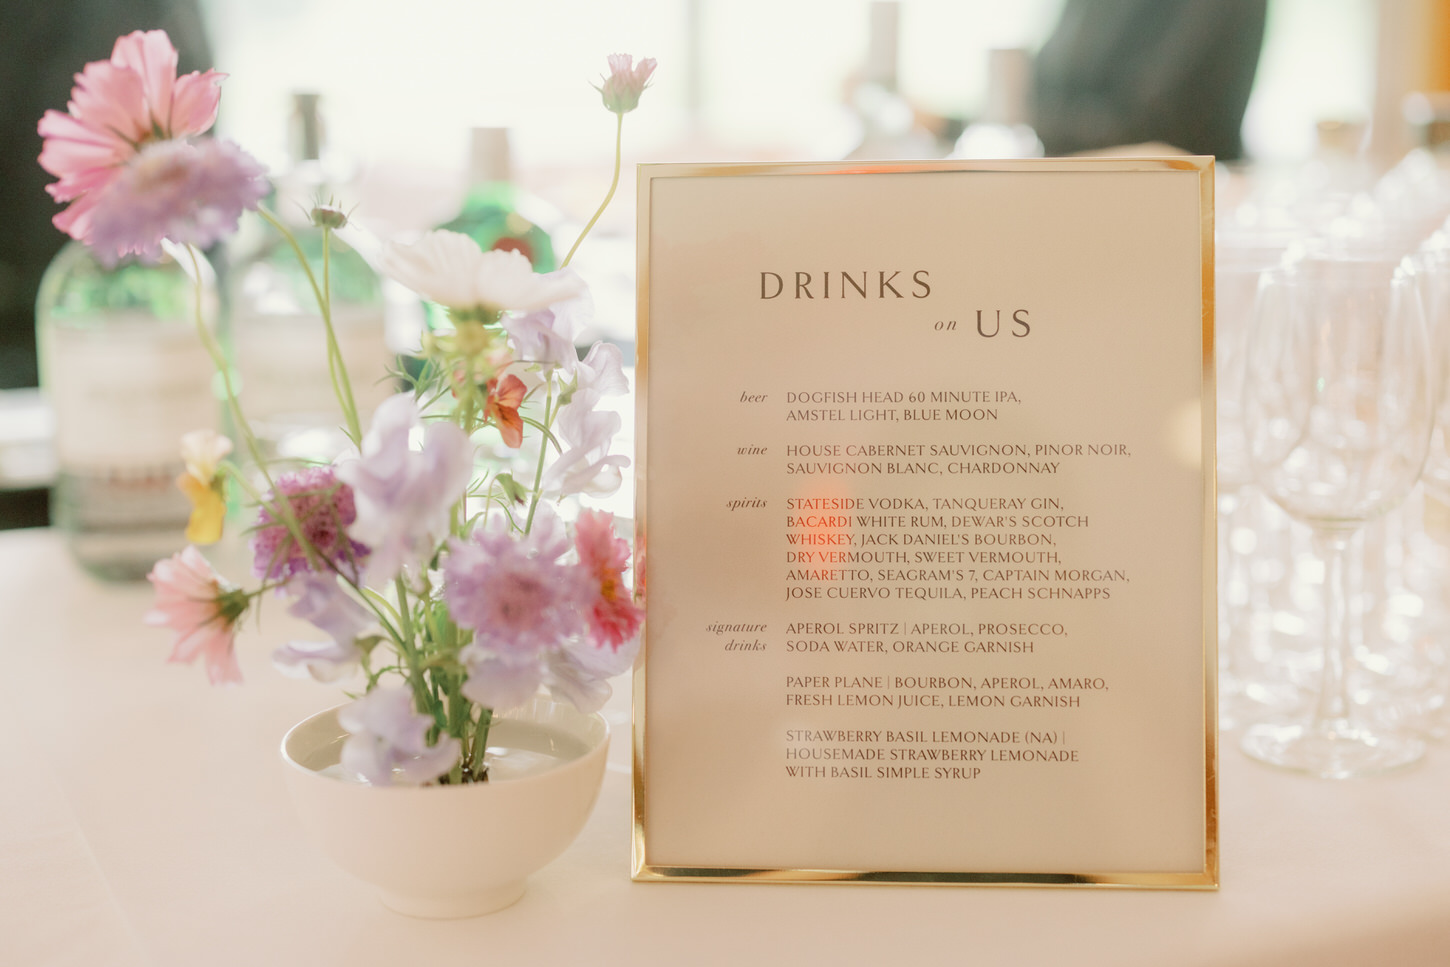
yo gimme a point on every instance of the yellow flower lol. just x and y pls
(208, 509)
(202, 451)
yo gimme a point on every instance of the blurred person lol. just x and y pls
(43, 45)
(1123, 72)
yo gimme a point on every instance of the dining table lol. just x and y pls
(144, 821)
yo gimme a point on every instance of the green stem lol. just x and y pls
(480, 744)
(341, 385)
(548, 422)
(410, 654)
(283, 507)
(336, 366)
(618, 145)
(218, 360)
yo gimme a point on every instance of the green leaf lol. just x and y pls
(511, 488)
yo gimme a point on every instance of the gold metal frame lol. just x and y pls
(1207, 878)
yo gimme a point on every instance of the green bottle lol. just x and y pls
(497, 215)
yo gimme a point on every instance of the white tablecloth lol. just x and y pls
(143, 820)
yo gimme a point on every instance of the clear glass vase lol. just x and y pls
(275, 327)
(126, 373)
(280, 343)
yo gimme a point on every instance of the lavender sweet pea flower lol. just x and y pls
(403, 495)
(321, 661)
(546, 336)
(601, 372)
(587, 466)
(322, 602)
(389, 741)
(579, 671)
(498, 684)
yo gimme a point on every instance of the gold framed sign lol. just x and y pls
(926, 520)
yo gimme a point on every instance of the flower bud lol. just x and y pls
(625, 82)
(329, 216)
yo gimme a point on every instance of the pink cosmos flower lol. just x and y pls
(625, 82)
(203, 610)
(613, 616)
(324, 508)
(119, 107)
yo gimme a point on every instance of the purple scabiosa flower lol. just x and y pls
(389, 740)
(324, 507)
(625, 83)
(519, 600)
(404, 496)
(191, 192)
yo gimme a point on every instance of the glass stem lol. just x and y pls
(1332, 713)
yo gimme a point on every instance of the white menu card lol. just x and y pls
(925, 511)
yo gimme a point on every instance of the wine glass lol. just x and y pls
(1246, 245)
(1339, 403)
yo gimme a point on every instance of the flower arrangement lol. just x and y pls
(455, 591)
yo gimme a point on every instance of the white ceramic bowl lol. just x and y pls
(452, 851)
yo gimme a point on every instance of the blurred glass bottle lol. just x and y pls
(496, 213)
(889, 128)
(1337, 177)
(1004, 130)
(126, 374)
(277, 334)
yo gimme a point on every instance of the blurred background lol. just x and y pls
(1266, 85)
(1330, 119)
